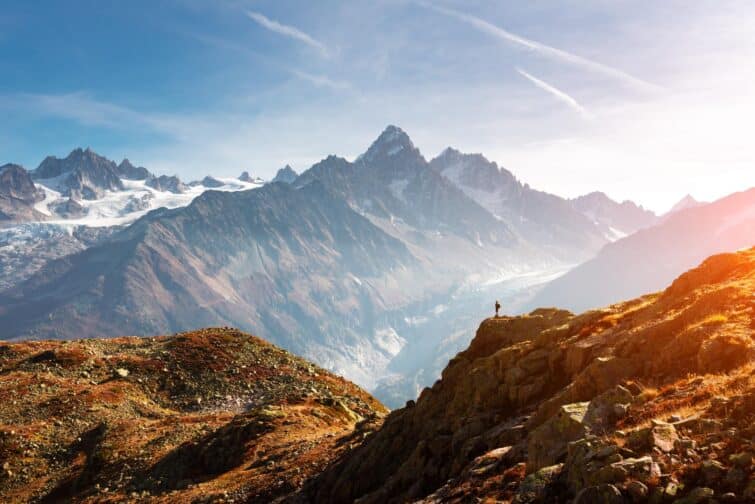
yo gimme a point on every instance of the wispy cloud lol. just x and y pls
(318, 80)
(288, 31)
(560, 95)
(542, 49)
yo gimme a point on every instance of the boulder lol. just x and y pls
(663, 436)
(534, 487)
(600, 494)
(547, 444)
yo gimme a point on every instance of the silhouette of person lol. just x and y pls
(497, 307)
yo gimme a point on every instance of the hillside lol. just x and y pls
(651, 400)
(210, 416)
(651, 258)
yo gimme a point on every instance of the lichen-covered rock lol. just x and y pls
(547, 445)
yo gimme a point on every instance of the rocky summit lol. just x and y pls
(650, 400)
(209, 416)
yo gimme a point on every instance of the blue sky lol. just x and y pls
(642, 99)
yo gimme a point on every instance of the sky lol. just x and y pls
(644, 100)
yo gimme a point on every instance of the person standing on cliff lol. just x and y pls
(497, 307)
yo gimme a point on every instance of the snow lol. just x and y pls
(113, 209)
(615, 234)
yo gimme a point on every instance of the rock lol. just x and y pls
(534, 486)
(548, 443)
(698, 495)
(637, 490)
(711, 471)
(602, 494)
(607, 407)
(663, 436)
(735, 477)
(121, 372)
(722, 353)
(743, 459)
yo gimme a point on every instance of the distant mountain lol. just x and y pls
(128, 171)
(545, 220)
(300, 266)
(167, 183)
(286, 175)
(211, 182)
(18, 194)
(615, 220)
(652, 257)
(82, 175)
(686, 202)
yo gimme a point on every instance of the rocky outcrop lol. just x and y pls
(18, 194)
(614, 405)
(128, 171)
(167, 183)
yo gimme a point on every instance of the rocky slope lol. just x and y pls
(311, 284)
(83, 174)
(18, 195)
(210, 416)
(651, 258)
(651, 400)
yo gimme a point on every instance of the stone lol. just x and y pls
(534, 485)
(663, 436)
(603, 494)
(637, 490)
(712, 471)
(547, 444)
(743, 459)
(698, 495)
(121, 372)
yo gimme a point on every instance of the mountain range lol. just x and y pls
(350, 263)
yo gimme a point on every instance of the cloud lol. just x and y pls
(543, 49)
(287, 31)
(318, 80)
(560, 95)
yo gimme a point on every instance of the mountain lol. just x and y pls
(214, 415)
(392, 181)
(288, 261)
(615, 220)
(299, 266)
(286, 174)
(18, 195)
(651, 400)
(82, 175)
(652, 257)
(686, 202)
(211, 182)
(167, 184)
(546, 220)
(126, 170)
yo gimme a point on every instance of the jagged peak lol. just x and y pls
(286, 174)
(390, 142)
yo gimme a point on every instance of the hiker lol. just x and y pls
(497, 307)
